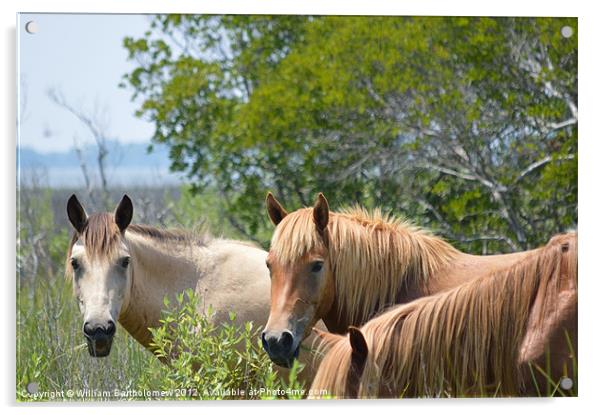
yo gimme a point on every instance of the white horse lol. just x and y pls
(121, 273)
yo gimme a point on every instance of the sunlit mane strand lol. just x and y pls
(374, 256)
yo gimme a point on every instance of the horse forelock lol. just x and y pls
(295, 236)
(100, 236)
(372, 255)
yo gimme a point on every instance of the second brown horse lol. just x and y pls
(346, 267)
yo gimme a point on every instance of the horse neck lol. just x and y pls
(395, 268)
(159, 269)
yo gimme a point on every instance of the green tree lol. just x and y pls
(466, 125)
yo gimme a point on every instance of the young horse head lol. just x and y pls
(99, 262)
(122, 272)
(342, 268)
(481, 338)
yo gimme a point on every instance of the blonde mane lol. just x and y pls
(374, 256)
(471, 340)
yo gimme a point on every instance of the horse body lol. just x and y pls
(512, 332)
(228, 275)
(465, 267)
(346, 267)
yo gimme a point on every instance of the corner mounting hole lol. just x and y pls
(31, 27)
(566, 31)
(566, 383)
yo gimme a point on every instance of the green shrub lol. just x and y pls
(210, 361)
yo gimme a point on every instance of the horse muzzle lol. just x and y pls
(99, 338)
(281, 347)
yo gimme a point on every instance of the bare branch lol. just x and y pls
(84, 168)
(475, 238)
(445, 170)
(557, 126)
(451, 235)
(440, 219)
(540, 163)
(97, 128)
(464, 176)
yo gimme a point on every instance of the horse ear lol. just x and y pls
(359, 355)
(321, 213)
(76, 213)
(275, 209)
(124, 213)
(359, 347)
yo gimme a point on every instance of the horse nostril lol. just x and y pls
(88, 329)
(277, 345)
(264, 343)
(95, 330)
(110, 330)
(286, 340)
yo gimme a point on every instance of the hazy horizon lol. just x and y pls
(126, 164)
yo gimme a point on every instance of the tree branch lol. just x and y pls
(557, 126)
(540, 163)
(476, 238)
(97, 128)
(464, 176)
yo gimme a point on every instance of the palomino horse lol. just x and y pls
(122, 272)
(513, 332)
(346, 267)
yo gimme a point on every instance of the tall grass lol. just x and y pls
(206, 361)
(51, 350)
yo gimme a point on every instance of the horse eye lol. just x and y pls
(317, 266)
(125, 262)
(74, 264)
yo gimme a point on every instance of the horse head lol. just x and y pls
(99, 263)
(302, 278)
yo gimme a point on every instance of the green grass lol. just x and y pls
(51, 350)
(206, 361)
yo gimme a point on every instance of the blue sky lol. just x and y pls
(82, 55)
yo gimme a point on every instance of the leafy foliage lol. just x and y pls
(208, 361)
(468, 125)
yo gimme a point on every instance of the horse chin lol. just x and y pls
(99, 348)
(288, 362)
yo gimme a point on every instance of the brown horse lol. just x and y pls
(513, 332)
(346, 267)
(121, 272)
